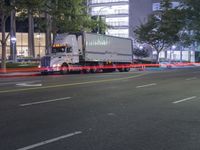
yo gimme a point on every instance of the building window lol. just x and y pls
(118, 32)
(107, 10)
(22, 45)
(106, 1)
(120, 21)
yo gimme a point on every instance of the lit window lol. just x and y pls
(107, 10)
(118, 32)
(106, 1)
(120, 21)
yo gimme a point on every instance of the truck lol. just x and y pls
(88, 52)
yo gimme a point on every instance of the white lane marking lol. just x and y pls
(193, 78)
(42, 102)
(28, 84)
(7, 83)
(147, 85)
(185, 99)
(50, 141)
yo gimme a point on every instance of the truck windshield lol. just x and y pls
(58, 49)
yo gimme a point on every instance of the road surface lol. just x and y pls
(147, 110)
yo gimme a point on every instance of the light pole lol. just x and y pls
(98, 16)
(13, 42)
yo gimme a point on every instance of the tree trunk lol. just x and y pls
(48, 33)
(13, 51)
(3, 42)
(31, 46)
(157, 57)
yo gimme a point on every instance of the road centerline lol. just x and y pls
(146, 85)
(50, 141)
(46, 101)
(72, 84)
(185, 99)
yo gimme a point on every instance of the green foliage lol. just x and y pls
(192, 19)
(69, 15)
(66, 15)
(29, 6)
(162, 29)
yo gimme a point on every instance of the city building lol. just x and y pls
(122, 17)
(114, 12)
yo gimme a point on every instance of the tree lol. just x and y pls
(5, 10)
(30, 9)
(67, 16)
(161, 30)
(192, 20)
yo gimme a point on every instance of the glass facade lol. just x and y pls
(105, 1)
(22, 45)
(116, 14)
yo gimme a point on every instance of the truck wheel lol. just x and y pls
(86, 70)
(127, 69)
(44, 73)
(94, 69)
(121, 69)
(64, 69)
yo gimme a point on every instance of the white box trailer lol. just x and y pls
(89, 51)
(105, 48)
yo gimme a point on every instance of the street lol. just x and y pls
(138, 110)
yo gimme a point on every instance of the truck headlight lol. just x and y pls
(56, 65)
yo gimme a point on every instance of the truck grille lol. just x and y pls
(45, 61)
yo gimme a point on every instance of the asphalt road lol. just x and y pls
(147, 110)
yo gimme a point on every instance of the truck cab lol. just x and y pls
(64, 53)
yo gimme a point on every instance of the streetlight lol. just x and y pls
(13, 42)
(98, 16)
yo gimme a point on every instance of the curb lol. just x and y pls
(19, 74)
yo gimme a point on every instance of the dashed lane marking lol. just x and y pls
(42, 102)
(50, 141)
(185, 99)
(147, 85)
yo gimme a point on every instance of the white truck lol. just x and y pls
(88, 52)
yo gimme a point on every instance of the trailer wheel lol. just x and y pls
(87, 70)
(64, 69)
(94, 69)
(121, 69)
(44, 73)
(127, 69)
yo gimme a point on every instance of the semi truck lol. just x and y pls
(88, 52)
